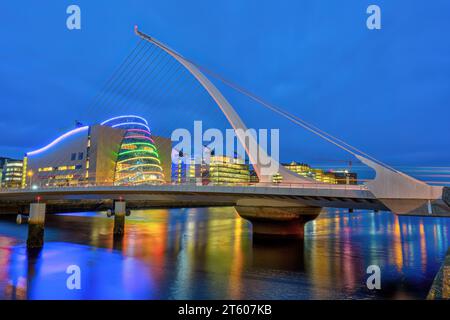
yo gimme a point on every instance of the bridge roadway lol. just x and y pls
(64, 199)
(275, 210)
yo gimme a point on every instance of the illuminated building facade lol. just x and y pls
(328, 177)
(331, 177)
(118, 151)
(2, 163)
(300, 168)
(179, 167)
(209, 169)
(346, 177)
(227, 170)
(85, 155)
(253, 176)
(11, 173)
(186, 169)
(138, 160)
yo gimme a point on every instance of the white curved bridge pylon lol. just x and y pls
(390, 186)
(257, 157)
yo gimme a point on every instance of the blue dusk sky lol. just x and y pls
(385, 91)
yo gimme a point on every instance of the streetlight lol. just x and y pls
(30, 175)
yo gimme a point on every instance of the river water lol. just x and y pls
(208, 253)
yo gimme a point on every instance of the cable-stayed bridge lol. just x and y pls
(396, 190)
(279, 209)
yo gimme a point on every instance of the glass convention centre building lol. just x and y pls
(119, 151)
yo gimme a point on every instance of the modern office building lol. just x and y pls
(2, 163)
(118, 151)
(346, 177)
(300, 168)
(327, 177)
(209, 169)
(179, 167)
(11, 173)
(229, 171)
(188, 169)
(331, 177)
(253, 176)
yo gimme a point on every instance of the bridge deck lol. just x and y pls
(339, 196)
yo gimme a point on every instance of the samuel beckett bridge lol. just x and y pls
(274, 209)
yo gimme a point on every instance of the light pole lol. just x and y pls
(30, 175)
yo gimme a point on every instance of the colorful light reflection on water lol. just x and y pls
(208, 253)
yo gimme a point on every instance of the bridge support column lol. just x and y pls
(36, 222)
(276, 219)
(119, 213)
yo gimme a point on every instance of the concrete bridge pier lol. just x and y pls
(119, 213)
(276, 219)
(36, 220)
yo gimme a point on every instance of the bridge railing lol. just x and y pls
(303, 185)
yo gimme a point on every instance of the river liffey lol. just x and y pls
(209, 253)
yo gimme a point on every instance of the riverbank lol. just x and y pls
(441, 284)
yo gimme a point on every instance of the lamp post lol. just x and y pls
(30, 176)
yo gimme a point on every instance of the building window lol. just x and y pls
(80, 155)
(73, 157)
(78, 167)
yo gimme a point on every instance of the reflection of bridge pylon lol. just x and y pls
(398, 191)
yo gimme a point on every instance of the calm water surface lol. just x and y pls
(208, 253)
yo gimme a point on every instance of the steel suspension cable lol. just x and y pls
(328, 137)
(116, 73)
(295, 119)
(120, 81)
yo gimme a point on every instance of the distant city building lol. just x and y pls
(229, 171)
(209, 169)
(276, 178)
(186, 169)
(331, 177)
(345, 177)
(11, 173)
(2, 163)
(328, 177)
(300, 168)
(118, 151)
(253, 176)
(317, 174)
(179, 167)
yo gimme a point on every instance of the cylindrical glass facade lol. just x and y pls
(138, 160)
